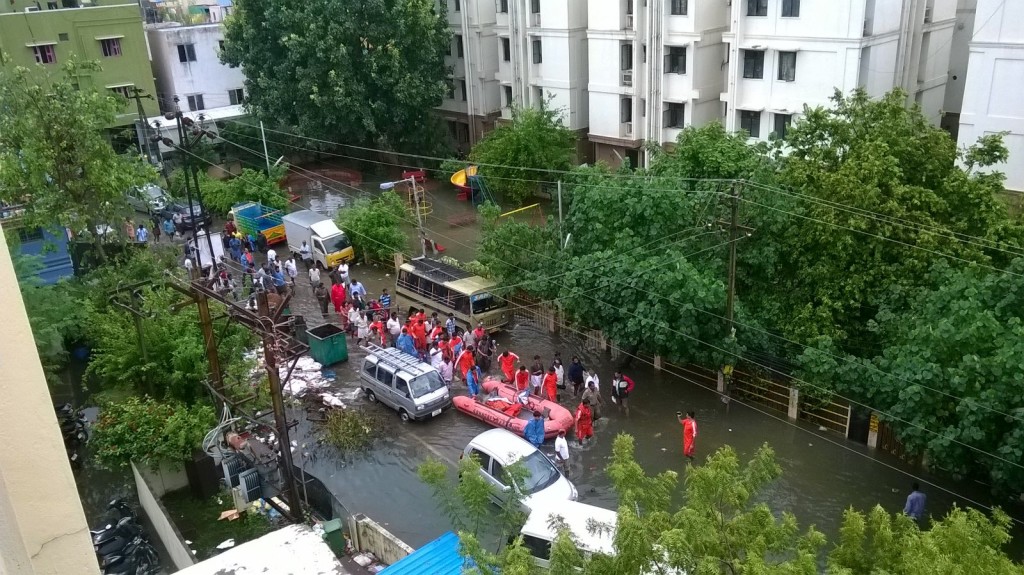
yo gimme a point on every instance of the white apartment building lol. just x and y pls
(186, 62)
(472, 103)
(995, 79)
(655, 67)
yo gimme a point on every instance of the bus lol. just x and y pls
(444, 288)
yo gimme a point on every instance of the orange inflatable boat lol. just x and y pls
(507, 413)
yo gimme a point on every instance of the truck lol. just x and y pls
(329, 246)
(216, 241)
(252, 218)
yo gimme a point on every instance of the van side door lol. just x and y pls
(401, 394)
(386, 377)
(319, 255)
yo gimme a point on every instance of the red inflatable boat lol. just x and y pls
(507, 413)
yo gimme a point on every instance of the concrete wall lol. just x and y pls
(367, 535)
(42, 524)
(151, 486)
(206, 76)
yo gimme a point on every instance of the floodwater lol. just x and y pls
(823, 474)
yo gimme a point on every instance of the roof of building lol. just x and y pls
(292, 550)
(439, 557)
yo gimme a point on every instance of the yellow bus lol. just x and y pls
(444, 288)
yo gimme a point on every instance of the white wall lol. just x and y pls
(959, 54)
(206, 76)
(151, 486)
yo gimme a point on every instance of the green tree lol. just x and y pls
(54, 154)
(965, 541)
(532, 143)
(949, 376)
(367, 72)
(375, 226)
(149, 432)
(250, 185)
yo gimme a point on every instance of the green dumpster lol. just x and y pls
(327, 344)
(334, 536)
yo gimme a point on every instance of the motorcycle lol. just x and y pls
(117, 539)
(117, 510)
(137, 558)
(73, 425)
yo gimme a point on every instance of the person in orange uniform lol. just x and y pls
(550, 385)
(522, 379)
(584, 422)
(689, 432)
(465, 361)
(419, 334)
(507, 360)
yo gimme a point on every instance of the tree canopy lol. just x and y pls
(374, 226)
(366, 72)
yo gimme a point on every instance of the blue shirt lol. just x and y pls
(449, 326)
(169, 227)
(357, 289)
(406, 343)
(534, 431)
(142, 234)
(278, 279)
(385, 300)
(915, 505)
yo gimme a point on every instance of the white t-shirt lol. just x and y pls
(595, 379)
(314, 275)
(343, 270)
(290, 269)
(395, 327)
(561, 448)
(271, 256)
(436, 358)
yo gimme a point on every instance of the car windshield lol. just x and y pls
(485, 302)
(337, 244)
(425, 384)
(153, 192)
(541, 473)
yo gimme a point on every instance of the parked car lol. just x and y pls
(202, 216)
(150, 199)
(404, 383)
(497, 449)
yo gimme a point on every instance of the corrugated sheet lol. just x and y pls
(439, 557)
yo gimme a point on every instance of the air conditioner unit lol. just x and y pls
(627, 77)
(927, 15)
(249, 485)
(627, 128)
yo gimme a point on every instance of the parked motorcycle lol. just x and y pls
(115, 540)
(117, 510)
(137, 558)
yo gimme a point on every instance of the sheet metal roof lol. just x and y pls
(439, 557)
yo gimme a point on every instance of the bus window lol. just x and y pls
(460, 303)
(485, 302)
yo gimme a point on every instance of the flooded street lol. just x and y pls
(823, 474)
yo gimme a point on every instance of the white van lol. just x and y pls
(404, 383)
(592, 527)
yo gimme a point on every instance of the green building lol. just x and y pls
(48, 32)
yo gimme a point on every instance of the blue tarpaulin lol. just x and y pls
(439, 557)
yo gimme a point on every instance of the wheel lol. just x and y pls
(320, 266)
(404, 415)
(370, 396)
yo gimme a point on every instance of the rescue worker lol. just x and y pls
(584, 422)
(550, 385)
(507, 360)
(689, 432)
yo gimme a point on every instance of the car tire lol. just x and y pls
(371, 397)
(404, 416)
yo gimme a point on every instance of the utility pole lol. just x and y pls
(263, 134)
(185, 146)
(734, 229)
(145, 145)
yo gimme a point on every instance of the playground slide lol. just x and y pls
(460, 177)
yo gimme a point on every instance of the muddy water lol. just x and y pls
(822, 473)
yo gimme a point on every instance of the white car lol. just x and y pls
(498, 448)
(150, 199)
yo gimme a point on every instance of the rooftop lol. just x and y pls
(292, 550)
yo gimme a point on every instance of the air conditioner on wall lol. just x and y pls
(627, 128)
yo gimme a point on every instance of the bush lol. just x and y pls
(375, 226)
(149, 432)
(351, 429)
(219, 196)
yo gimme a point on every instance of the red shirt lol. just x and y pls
(551, 385)
(522, 380)
(507, 362)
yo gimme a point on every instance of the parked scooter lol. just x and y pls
(137, 558)
(117, 510)
(117, 539)
(73, 425)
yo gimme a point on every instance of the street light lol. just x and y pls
(411, 180)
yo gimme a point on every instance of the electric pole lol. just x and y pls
(734, 228)
(145, 145)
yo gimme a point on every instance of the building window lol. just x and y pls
(753, 64)
(782, 122)
(123, 91)
(26, 235)
(460, 48)
(507, 91)
(186, 52)
(458, 6)
(787, 66)
(503, 6)
(534, 6)
(110, 47)
(506, 49)
(450, 84)
(626, 110)
(750, 122)
(675, 116)
(236, 96)
(63, 37)
(679, 8)
(790, 8)
(45, 54)
(195, 102)
(626, 56)
(462, 89)
(757, 7)
(675, 60)
(538, 96)
(448, 49)
(51, 5)
(538, 55)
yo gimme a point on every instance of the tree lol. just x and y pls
(375, 226)
(949, 378)
(249, 186)
(533, 143)
(149, 432)
(368, 72)
(54, 155)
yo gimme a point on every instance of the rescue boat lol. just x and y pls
(499, 407)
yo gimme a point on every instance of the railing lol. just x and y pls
(627, 77)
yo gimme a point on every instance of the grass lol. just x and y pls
(196, 519)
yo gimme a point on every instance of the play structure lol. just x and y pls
(471, 186)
